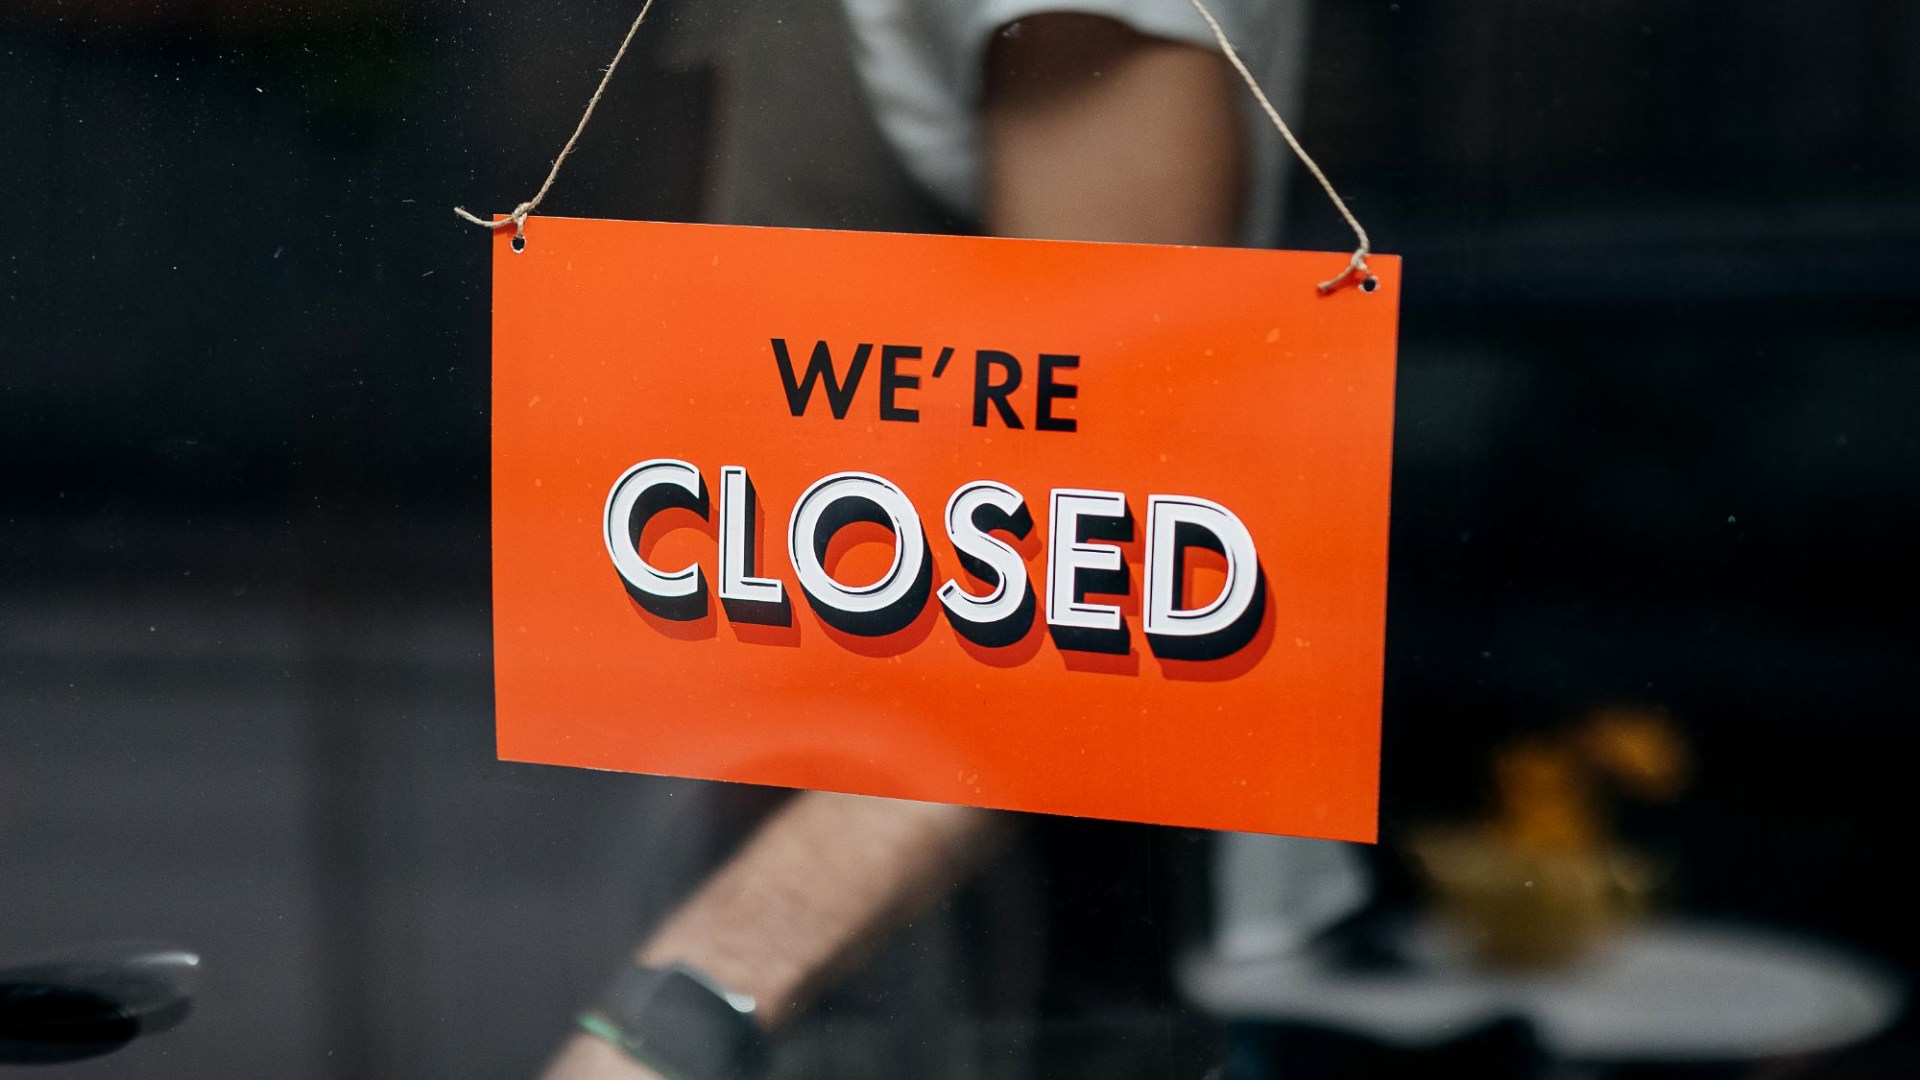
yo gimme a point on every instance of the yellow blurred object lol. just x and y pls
(1543, 879)
(1639, 750)
(1520, 909)
(1546, 801)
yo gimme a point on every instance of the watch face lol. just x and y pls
(683, 1025)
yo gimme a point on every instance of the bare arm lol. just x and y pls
(815, 888)
(1092, 131)
(818, 886)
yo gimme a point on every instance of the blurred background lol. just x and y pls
(1655, 460)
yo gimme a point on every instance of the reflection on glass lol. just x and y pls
(92, 1001)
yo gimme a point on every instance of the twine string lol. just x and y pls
(518, 219)
(1356, 266)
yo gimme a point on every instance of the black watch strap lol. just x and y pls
(679, 1023)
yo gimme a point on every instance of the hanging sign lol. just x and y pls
(1089, 529)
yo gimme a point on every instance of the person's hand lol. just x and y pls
(587, 1058)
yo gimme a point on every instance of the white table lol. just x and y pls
(1668, 992)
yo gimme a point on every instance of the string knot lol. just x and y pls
(1356, 268)
(517, 219)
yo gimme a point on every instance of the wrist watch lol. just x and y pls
(680, 1023)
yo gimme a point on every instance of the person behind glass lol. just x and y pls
(1111, 120)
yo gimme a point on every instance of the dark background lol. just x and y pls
(1659, 356)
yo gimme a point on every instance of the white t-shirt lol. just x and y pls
(921, 60)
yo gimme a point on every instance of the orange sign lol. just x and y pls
(1090, 529)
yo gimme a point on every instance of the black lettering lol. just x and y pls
(892, 381)
(820, 369)
(986, 390)
(1050, 391)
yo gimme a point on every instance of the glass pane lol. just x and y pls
(1646, 743)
